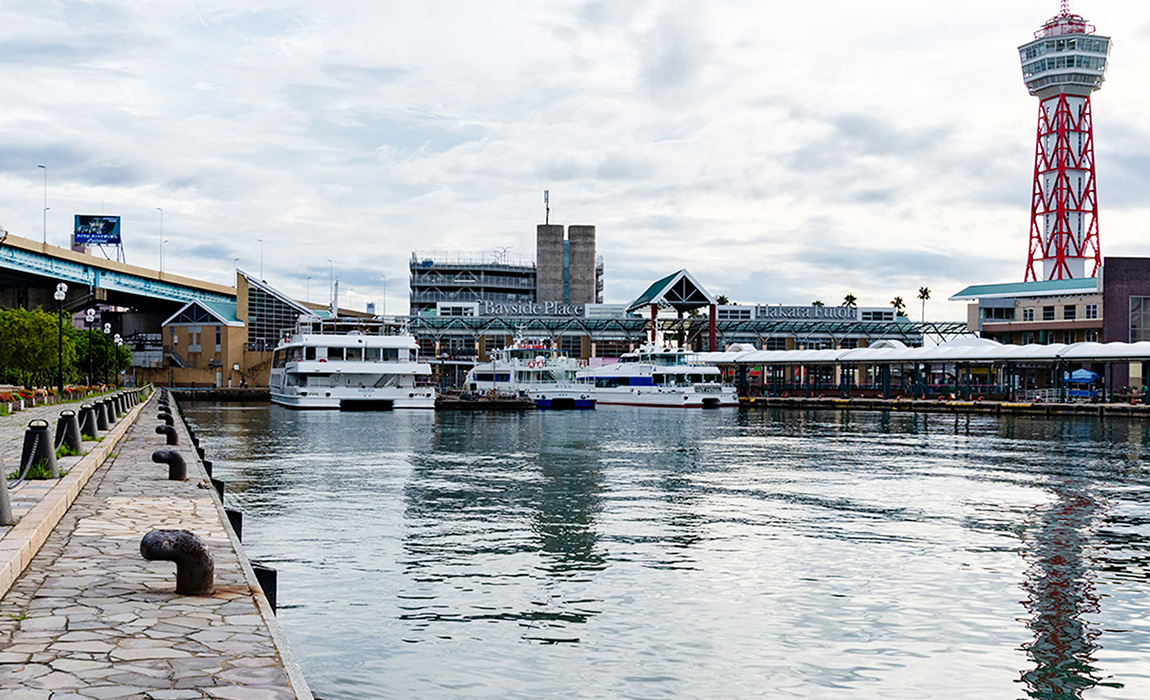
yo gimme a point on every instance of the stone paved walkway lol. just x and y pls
(90, 618)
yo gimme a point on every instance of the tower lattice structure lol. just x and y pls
(1062, 67)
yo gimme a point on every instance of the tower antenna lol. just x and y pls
(547, 204)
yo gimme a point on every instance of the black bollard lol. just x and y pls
(219, 484)
(166, 418)
(208, 467)
(177, 467)
(68, 432)
(195, 440)
(236, 518)
(170, 432)
(102, 423)
(195, 569)
(266, 577)
(39, 449)
(88, 421)
(200, 451)
(110, 407)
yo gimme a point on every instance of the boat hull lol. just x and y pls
(354, 403)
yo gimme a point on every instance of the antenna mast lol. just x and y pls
(547, 204)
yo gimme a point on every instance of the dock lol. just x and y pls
(924, 406)
(83, 614)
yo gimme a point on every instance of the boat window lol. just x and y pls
(371, 354)
(390, 354)
(355, 354)
(335, 353)
(318, 380)
(309, 353)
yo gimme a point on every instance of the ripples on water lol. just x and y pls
(630, 553)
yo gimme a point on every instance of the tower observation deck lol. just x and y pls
(1062, 67)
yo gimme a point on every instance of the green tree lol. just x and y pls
(850, 301)
(31, 346)
(899, 306)
(924, 294)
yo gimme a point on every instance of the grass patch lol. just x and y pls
(18, 616)
(65, 451)
(39, 472)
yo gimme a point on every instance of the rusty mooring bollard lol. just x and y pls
(68, 431)
(170, 432)
(195, 569)
(39, 448)
(177, 467)
(88, 421)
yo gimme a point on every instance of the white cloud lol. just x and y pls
(781, 151)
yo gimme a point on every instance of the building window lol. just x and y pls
(1069, 313)
(1028, 338)
(1092, 311)
(848, 343)
(1028, 314)
(1091, 336)
(775, 344)
(1139, 319)
(1048, 313)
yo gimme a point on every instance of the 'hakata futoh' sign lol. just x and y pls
(527, 308)
(834, 313)
(96, 230)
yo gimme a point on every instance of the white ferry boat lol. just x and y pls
(529, 369)
(661, 377)
(350, 371)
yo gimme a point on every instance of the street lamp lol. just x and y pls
(384, 277)
(119, 341)
(107, 330)
(330, 282)
(162, 256)
(261, 258)
(89, 317)
(45, 167)
(159, 209)
(307, 289)
(61, 293)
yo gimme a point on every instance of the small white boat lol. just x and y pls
(660, 377)
(532, 370)
(350, 371)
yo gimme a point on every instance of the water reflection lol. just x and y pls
(1061, 593)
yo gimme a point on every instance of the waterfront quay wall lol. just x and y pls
(921, 406)
(90, 617)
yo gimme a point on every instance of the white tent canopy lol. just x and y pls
(960, 350)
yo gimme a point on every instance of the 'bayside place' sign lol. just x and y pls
(546, 308)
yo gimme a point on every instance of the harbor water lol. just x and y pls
(661, 553)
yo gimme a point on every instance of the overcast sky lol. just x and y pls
(780, 151)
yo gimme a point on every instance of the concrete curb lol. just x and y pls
(20, 543)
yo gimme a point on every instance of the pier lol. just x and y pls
(83, 614)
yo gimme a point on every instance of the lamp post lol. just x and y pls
(89, 317)
(384, 295)
(107, 345)
(307, 289)
(61, 293)
(261, 258)
(45, 167)
(159, 209)
(164, 243)
(119, 341)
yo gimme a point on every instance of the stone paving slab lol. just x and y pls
(90, 618)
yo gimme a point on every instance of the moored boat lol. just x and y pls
(530, 369)
(658, 377)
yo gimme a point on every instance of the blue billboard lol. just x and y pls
(96, 229)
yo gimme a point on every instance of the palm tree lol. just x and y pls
(899, 306)
(850, 301)
(817, 302)
(924, 294)
(722, 300)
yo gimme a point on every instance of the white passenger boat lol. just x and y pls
(528, 369)
(350, 371)
(662, 377)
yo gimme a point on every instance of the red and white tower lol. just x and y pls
(1064, 64)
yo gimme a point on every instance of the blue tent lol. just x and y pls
(1082, 376)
